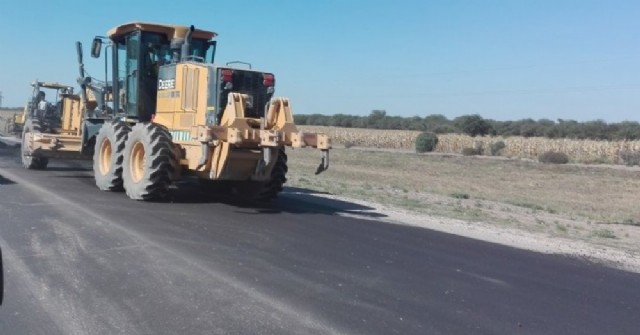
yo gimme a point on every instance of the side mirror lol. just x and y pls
(96, 47)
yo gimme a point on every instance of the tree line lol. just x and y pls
(475, 125)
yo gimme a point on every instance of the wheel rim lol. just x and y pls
(105, 156)
(137, 162)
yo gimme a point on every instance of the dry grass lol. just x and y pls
(375, 138)
(9, 112)
(586, 151)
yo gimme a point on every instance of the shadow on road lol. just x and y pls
(191, 191)
(300, 200)
(291, 200)
(69, 169)
(10, 151)
(5, 181)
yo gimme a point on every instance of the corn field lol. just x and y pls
(532, 147)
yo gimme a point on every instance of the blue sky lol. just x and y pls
(505, 60)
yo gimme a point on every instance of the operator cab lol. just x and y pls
(145, 61)
(49, 117)
(138, 51)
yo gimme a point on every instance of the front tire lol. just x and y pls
(29, 161)
(148, 162)
(108, 155)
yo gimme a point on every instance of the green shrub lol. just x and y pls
(471, 151)
(604, 233)
(630, 157)
(552, 157)
(348, 144)
(426, 142)
(497, 147)
(460, 195)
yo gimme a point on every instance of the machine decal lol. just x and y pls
(180, 135)
(166, 84)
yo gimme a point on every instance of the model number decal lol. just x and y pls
(166, 84)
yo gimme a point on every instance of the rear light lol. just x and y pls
(226, 75)
(268, 79)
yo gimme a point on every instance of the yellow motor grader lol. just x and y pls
(11, 125)
(67, 128)
(58, 130)
(174, 113)
(51, 113)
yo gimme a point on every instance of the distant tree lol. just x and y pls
(445, 129)
(506, 128)
(628, 130)
(360, 122)
(546, 128)
(473, 125)
(322, 120)
(394, 122)
(413, 123)
(597, 130)
(528, 128)
(302, 119)
(376, 119)
(341, 120)
(431, 122)
(567, 128)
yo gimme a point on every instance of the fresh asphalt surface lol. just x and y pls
(81, 261)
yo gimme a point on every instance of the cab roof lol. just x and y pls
(171, 31)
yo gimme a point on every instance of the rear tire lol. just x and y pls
(148, 162)
(274, 186)
(108, 155)
(30, 161)
(266, 191)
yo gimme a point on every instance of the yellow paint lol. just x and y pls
(185, 106)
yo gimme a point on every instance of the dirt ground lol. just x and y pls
(584, 210)
(4, 113)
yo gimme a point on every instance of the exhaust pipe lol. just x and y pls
(82, 80)
(187, 43)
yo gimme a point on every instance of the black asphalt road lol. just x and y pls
(81, 261)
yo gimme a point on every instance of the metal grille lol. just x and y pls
(246, 82)
(250, 82)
